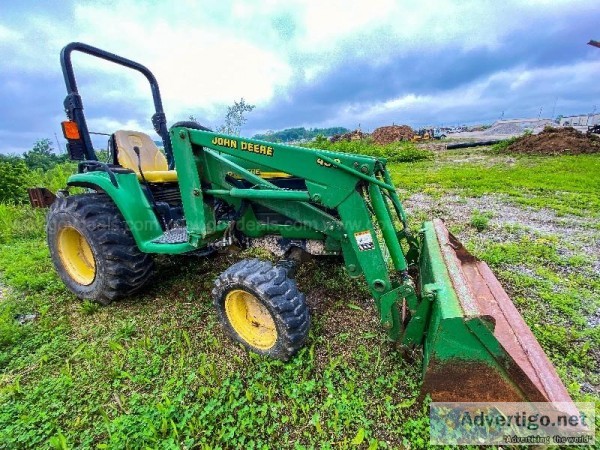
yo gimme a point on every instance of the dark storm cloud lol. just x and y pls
(357, 75)
(28, 102)
(33, 106)
(543, 42)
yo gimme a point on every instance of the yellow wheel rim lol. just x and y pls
(76, 255)
(250, 319)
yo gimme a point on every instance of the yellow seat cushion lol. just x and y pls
(152, 161)
(160, 176)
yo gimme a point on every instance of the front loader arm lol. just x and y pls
(348, 198)
(474, 340)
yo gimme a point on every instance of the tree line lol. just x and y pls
(300, 134)
(38, 166)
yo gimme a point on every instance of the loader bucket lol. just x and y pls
(477, 346)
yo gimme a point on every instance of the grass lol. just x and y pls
(394, 152)
(157, 371)
(566, 184)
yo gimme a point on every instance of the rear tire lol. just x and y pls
(260, 307)
(93, 250)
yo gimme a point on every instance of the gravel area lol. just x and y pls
(577, 236)
(505, 129)
(577, 232)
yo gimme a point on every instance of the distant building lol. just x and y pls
(581, 120)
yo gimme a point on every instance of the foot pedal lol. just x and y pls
(176, 235)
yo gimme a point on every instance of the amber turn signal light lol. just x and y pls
(70, 130)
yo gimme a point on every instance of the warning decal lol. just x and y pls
(364, 240)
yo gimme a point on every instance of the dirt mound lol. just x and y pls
(393, 133)
(355, 135)
(557, 141)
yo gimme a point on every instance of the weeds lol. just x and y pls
(88, 308)
(127, 330)
(480, 221)
(17, 222)
(502, 146)
(395, 152)
(15, 178)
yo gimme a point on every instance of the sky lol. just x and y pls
(301, 63)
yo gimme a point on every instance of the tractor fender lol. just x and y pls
(129, 198)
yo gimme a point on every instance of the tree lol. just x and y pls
(14, 180)
(42, 156)
(11, 158)
(235, 117)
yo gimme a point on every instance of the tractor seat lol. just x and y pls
(153, 162)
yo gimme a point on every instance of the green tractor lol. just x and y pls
(209, 191)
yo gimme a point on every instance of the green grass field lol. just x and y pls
(157, 371)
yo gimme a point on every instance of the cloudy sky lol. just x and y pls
(302, 63)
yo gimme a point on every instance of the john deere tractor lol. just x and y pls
(209, 191)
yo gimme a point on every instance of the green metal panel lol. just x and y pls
(133, 204)
(252, 227)
(332, 186)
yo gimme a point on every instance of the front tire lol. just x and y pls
(93, 250)
(261, 307)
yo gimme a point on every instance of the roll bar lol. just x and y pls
(74, 105)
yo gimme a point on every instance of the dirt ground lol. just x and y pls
(392, 133)
(557, 141)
